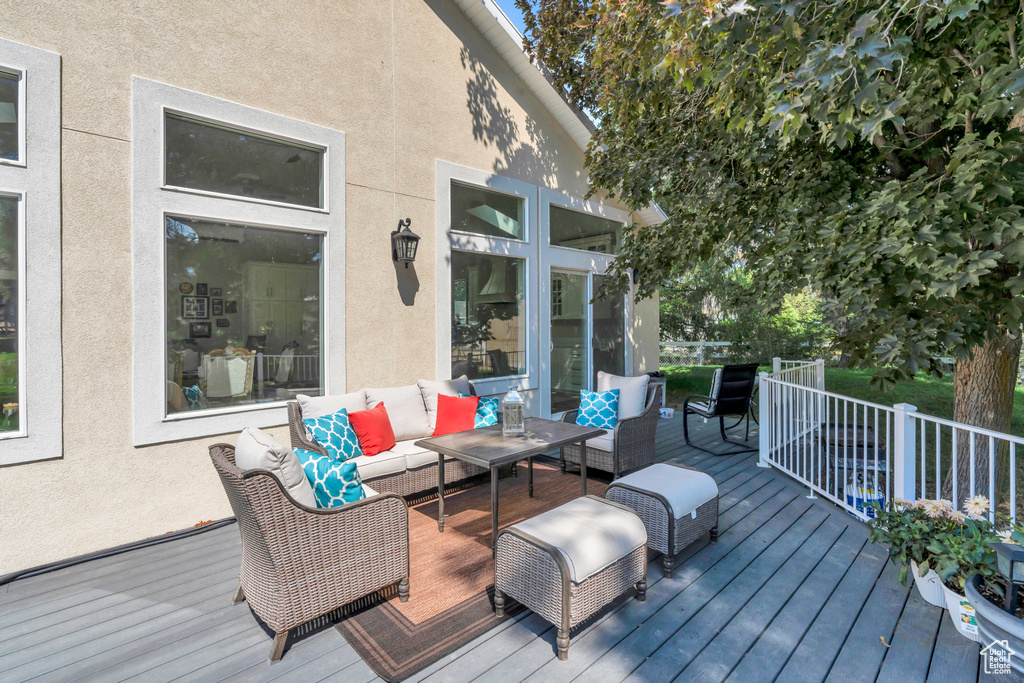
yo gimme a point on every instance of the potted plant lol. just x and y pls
(907, 528)
(999, 614)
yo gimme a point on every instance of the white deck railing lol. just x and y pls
(852, 451)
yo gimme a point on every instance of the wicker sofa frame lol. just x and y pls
(403, 483)
(536, 575)
(663, 535)
(633, 441)
(301, 563)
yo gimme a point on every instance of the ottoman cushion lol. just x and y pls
(685, 490)
(589, 533)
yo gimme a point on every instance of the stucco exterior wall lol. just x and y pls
(408, 82)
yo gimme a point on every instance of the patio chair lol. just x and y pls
(732, 389)
(629, 448)
(301, 563)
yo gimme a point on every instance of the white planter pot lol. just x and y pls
(929, 586)
(961, 611)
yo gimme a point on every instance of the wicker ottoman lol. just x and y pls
(568, 563)
(678, 505)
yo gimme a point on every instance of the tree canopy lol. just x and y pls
(868, 149)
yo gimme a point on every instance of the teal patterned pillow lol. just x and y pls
(486, 411)
(598, 409)
(195, 398)
(335, 433)
(334, 483)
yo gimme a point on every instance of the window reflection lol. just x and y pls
(585, 231)
(9, 322)
(488, 315)
(486, 212)
(9, 138)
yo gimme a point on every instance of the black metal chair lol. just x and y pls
(731, 392)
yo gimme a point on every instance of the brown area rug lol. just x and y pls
(452, 574)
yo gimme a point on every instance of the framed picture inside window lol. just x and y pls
(199, 330)
(201, 289)
(223, 322)
(215, 291)
(217, 307)
(231, 307)
(195, 307)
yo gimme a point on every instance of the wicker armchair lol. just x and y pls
(300, 563)
(634, 441)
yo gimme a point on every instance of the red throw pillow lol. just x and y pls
(455, 414)
(373, 429)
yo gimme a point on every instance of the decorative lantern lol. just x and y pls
(404, 243)
(513, 422)
(1010, 562)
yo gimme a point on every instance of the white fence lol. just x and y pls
(693, 353)
(854, 452)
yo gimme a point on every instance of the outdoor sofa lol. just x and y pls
(412, 410)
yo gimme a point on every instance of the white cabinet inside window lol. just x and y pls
(283, 302)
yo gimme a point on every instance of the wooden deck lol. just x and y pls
(792, 591)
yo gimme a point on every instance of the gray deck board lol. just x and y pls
(792, 591)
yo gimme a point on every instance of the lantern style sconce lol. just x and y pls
(404, 243)
(513, 414)
(1010, 562)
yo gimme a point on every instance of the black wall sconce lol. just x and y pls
(404, 243)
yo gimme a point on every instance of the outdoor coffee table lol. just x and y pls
(487, 447)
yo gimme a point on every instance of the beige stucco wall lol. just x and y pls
(408, 82)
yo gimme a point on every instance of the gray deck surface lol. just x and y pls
(791, 592)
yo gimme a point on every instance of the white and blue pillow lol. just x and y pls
(486, 411)
(195, 398)
(334, 483)
(335, 433)
(598, 409)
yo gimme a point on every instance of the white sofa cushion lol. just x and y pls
(430, 388)
(383, 464)
(405, 408)
(590, 534)
(685, 490)
(415, 457)
(255, 449)
(632, 392)
(318, 406)
(367, 491)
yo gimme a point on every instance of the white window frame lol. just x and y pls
(152, 201)
(576, 260)
(35, 179)
(456, 240)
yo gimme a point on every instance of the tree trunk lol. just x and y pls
(983, 388)
(842, 329)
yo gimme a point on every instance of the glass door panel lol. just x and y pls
(569, 345)
(609, 333)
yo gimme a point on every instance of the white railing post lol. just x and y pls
(819, 374)
(776, 365)
(904, 460)
(764, 427)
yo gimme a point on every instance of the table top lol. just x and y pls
(487, 446)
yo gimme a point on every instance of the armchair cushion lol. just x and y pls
(335, 433)
(598, 409)
(256, 449)
(318, 406)
(632, 392)
(605, 442)
(334, 482)
(406, 410)
(431, 389)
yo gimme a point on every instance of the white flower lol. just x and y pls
(1005, 535)
(976, 507)
(957, 516)
(934, 509)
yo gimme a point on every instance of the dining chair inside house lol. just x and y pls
(229, 373)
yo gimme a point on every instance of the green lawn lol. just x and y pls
(931, 396)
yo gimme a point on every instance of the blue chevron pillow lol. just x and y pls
(486, 411)
(335, 433)
(334, 483)
(598, 409)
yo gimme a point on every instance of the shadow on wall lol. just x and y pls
(524, 156)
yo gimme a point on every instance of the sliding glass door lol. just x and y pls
(609, 332)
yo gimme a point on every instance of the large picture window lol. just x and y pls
(215, 158)
(243, 314)
(238, 241)
(488, 315)
(10, 285)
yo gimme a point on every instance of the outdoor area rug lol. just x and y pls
(452, 574)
